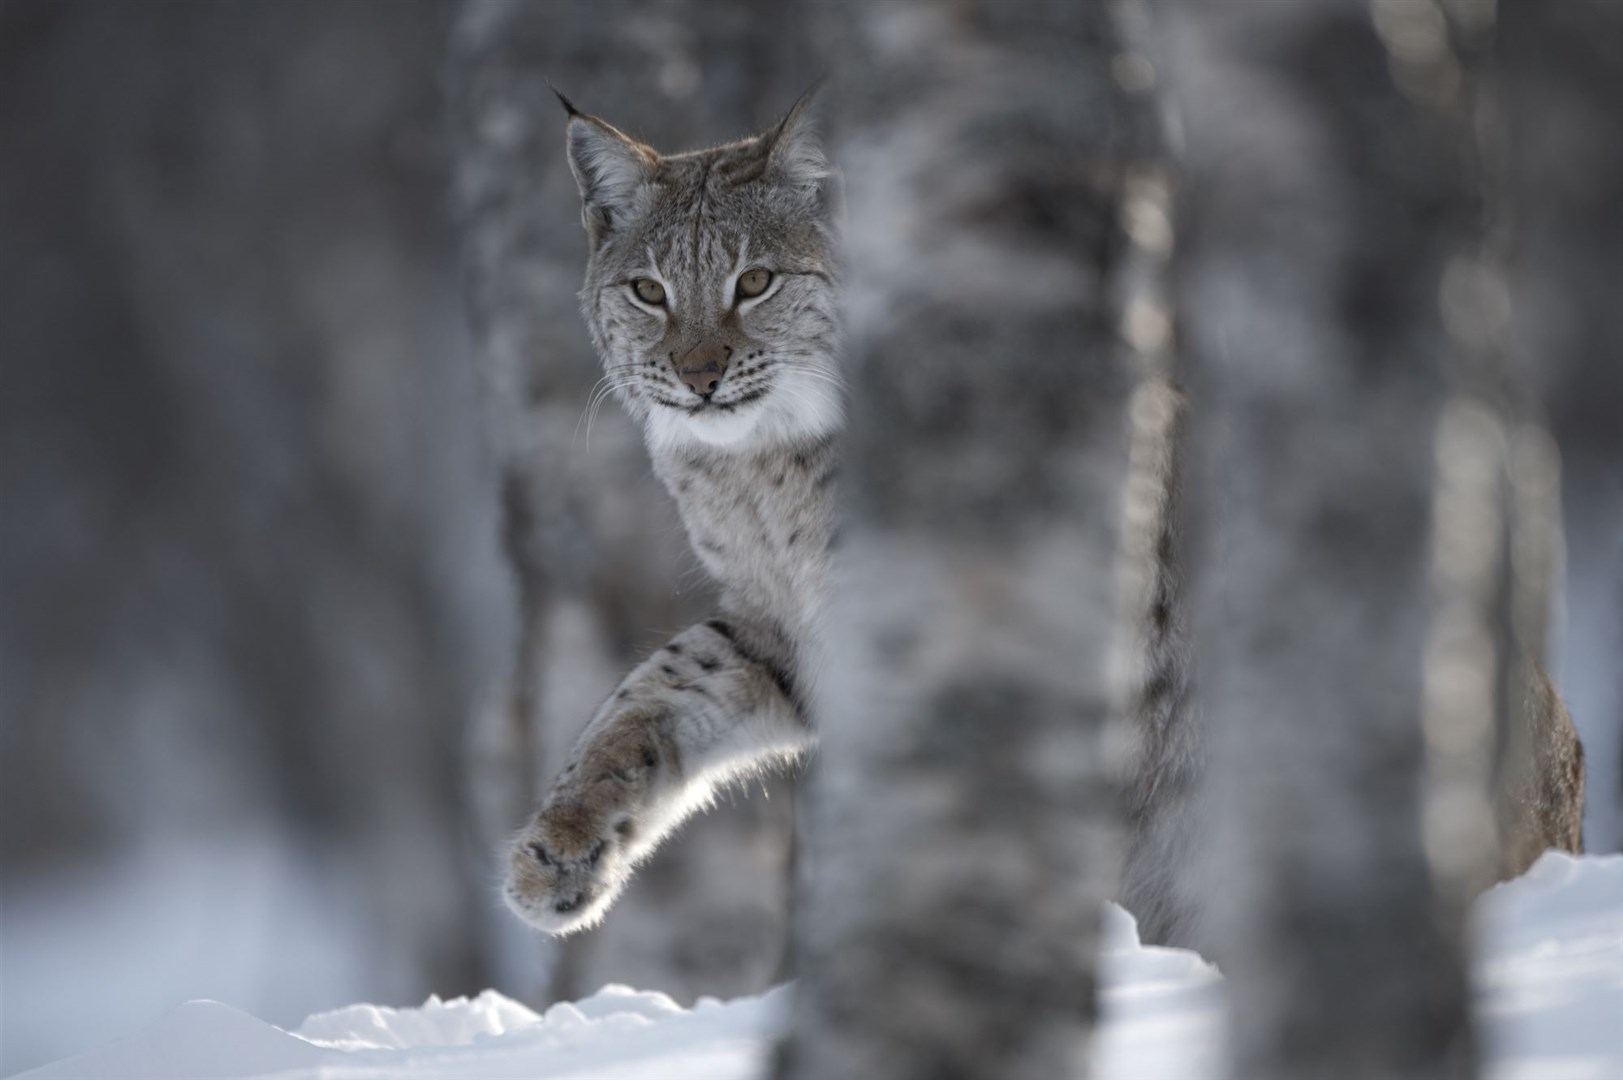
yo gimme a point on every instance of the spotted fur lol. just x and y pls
(750, 465)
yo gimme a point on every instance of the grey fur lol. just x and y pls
(750, 468)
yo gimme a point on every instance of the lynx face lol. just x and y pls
(710, 290)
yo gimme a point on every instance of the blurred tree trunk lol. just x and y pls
(962, 832)
(244, 599)
(1562, 76)
(598, 559)
(1333, 189)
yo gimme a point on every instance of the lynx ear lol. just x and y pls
(611, 169)
(796, 154)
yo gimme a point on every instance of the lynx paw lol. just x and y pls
(570, 863)
(565, 869)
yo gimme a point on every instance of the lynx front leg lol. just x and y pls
(714, 702)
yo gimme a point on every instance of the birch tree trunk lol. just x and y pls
(1327, 194)
(962, 830)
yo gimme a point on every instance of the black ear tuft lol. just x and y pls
(569, 106)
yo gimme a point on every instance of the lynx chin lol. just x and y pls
(710, 295)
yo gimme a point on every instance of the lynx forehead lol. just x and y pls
(710, 286)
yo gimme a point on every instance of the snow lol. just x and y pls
(239, 914)
(1549, 977)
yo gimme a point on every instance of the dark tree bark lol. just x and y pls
(964, 812)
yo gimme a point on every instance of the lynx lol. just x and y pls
(711, 295)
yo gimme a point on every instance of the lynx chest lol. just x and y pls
(760, 522)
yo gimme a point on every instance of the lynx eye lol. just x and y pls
(752, 283)
(649, 291)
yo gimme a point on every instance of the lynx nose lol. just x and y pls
(702, 381)
(702, 366)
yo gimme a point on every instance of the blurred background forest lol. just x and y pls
(260, 621)
(294, 490)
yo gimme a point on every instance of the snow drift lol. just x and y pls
(1548, 975)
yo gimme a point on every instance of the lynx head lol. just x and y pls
(710, 288)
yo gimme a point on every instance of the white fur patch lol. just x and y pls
(798, 408)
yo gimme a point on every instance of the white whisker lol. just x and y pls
(618, 377)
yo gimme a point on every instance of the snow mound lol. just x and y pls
(458, 1022)
(1160, 1009)
(1549, 980)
